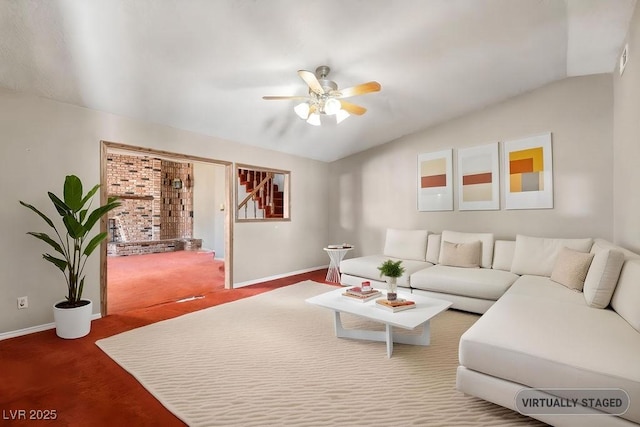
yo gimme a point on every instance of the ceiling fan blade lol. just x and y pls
(312, 81)
(357, 90)
(276, 98)
(353, 108)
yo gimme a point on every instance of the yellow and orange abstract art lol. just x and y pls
(526, 170)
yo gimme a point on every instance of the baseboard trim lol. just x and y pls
(40, 328)
(278, 276)
(34, 329)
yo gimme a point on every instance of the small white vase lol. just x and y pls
(74, 322)
(391, 288)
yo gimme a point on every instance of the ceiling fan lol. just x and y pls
(325, 97)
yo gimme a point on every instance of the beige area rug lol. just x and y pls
(273, 360)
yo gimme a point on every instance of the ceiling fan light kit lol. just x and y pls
(325, 98)
(341, 115)
(302, 110)
(332, 106)
(314, 119)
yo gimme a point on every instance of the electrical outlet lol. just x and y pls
(23, 302)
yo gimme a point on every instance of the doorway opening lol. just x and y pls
(173, 229)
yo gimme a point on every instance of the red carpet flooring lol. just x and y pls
(147, 280)
(74, 378)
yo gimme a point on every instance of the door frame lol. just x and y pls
(228, 217)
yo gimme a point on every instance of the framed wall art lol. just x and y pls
(528, 173)
(435, 187)
(479, 178)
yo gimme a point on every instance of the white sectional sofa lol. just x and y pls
(558, 314)
(427, 272)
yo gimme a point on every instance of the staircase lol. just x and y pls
(263, 197)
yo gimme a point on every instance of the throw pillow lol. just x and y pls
(602, 277)
(571, 268)
(465, 255)
(486, 249)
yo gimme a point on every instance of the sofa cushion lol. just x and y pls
(547, 337)
(602, 277)
(626, 298)
(503, 254)
(367, 267)
(537, 255)
(433, 248)
(544, 288)
(482, 283)
(600, 244)
(406, 244)
(465, 255)
(487, 240)
(571, 268)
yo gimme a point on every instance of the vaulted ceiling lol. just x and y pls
(204, 65)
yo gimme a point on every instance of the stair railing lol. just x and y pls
(260, 187)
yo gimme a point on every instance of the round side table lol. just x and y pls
(335, 255)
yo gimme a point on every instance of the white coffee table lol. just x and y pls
(426, 309)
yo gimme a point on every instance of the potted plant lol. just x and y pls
(73, 247)
(391, 270)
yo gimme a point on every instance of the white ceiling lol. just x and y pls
(204, 65)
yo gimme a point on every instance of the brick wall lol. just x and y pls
(151, 208)
(176, 212)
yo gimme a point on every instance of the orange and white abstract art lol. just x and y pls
(479, 178)
(435, 183)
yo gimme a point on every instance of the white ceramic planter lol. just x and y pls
(73, 322)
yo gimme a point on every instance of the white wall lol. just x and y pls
(376, 189)
(626, 171)
(218, 201)
(42, 141)
(208, 194)
(45, 140)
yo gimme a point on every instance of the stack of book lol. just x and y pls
(361, 295)
(399, 304)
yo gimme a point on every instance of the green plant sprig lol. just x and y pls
(390, 268)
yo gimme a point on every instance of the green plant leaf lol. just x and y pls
(45, 238)
(73, 192)
(74, 228)
(61, 206)
(60, 263)
(94, 243)
(43, 216)
(90, 194)
(97, 214)
(82, 215)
